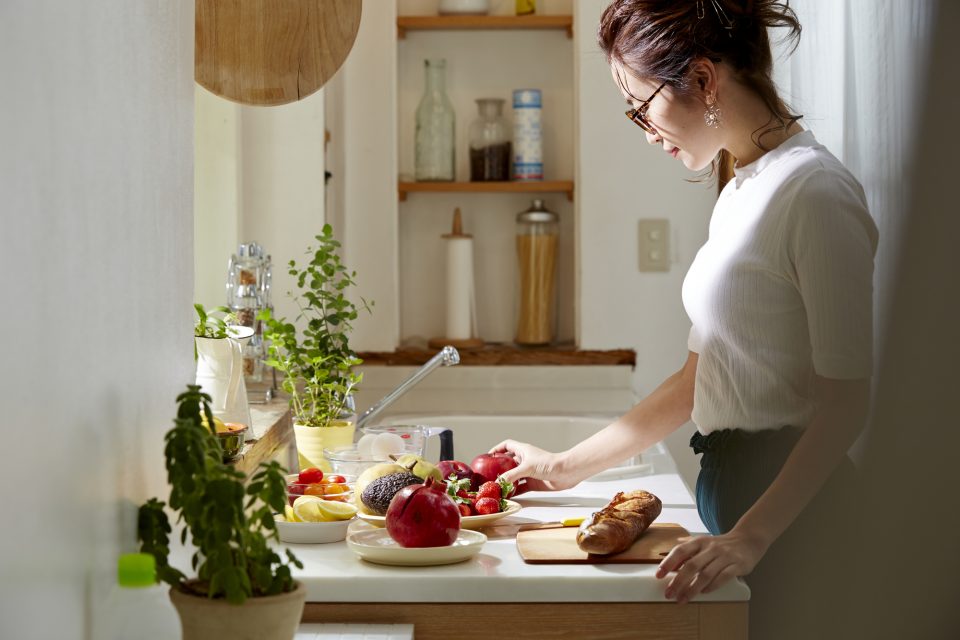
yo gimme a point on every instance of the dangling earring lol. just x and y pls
(712, 116)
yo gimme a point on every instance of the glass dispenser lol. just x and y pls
(538, 233)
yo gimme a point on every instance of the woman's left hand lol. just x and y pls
(705, 563)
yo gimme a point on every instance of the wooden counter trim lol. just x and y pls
(556, 620)
(499, 354)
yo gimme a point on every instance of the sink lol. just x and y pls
(478, 433)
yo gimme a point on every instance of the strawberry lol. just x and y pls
(465, 510)
(462, 494)
(490, 490)
(488, 505)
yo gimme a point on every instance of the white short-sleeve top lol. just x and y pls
(782, 289)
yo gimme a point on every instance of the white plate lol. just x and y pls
(468, 522)
(312, 532)
(377, 546)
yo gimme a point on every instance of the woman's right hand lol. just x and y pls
(543, 470)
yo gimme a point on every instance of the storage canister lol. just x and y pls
(537, 245)
(527, 135)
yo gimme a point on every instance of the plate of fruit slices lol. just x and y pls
(466, 522)
(376, 545)
(312, 520)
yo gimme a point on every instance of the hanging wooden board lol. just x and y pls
(270, 52)
(558, 545)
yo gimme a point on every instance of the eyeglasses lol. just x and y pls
(639, 115)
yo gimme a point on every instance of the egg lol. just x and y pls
(364, 444)
(385, 445)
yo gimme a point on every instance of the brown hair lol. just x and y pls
(659, 39)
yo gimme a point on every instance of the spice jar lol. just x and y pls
(537, 245)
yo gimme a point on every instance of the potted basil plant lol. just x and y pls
(317, 362)
(242, 586)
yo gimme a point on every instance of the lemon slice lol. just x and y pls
(337, 510)
(307, 509)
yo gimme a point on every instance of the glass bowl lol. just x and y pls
(346, 460)
(336, 491)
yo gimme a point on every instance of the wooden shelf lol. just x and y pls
(452, 23)
(543, 186)
(506, 354)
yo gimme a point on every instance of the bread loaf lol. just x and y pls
(618, 525)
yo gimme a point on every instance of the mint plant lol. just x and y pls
(317, 365)
(214, 323)
(229, 524)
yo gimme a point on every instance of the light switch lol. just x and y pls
(655, 244)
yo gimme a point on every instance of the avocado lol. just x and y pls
(378, 494)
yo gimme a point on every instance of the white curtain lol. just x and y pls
(855, 78)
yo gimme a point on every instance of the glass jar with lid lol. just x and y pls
(538, 233)
(490, 147)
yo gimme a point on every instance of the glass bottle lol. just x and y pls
(538, 232)
(490, 147)
(434, 154)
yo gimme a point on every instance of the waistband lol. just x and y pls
(723, 438)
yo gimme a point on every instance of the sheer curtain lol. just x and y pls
(855, 78)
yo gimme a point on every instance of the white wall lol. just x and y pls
(96, 197)
(218, 193)
(396, 248)
(282, 187)
(621, 180)
(259, 178)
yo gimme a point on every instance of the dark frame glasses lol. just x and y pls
(639, 115)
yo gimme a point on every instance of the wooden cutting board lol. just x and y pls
(558, 545)
(271, 52)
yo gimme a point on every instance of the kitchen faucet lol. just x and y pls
(447, 357)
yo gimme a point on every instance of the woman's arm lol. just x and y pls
(704, 563)
(648, 422)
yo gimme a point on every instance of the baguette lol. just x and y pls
(618, 525)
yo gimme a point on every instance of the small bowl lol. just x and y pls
(346, 460)
(312, 532)
(231, 440)
(296, 489)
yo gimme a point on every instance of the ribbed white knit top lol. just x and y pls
(782, 289)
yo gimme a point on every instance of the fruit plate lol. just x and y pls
(311, 532)
(376, 545)
(466, 522)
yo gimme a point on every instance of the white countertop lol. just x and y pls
(332, 573)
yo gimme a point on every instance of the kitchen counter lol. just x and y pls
(343, 588)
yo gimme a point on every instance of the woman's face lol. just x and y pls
(677, 119)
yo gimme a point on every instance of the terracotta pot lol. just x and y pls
(268, 618)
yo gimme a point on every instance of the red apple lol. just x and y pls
(422, 515)
(490, 465)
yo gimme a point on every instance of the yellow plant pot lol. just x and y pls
(311, 441)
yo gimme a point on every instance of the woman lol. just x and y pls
(780, 298)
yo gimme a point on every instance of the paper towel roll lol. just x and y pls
(460, 298)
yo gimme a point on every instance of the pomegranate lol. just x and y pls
(461, 470)
(422, 515)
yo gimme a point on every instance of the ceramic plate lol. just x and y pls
(377, 546)
(468, 522)
(311, 532)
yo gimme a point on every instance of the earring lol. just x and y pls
(712, 116)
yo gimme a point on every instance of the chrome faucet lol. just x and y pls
(447, 357)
